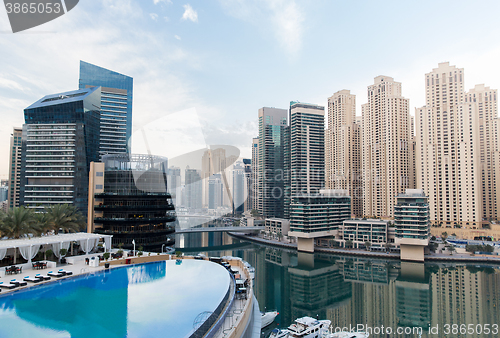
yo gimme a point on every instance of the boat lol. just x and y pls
(251, 269)
(305, 327)
(268, 317)
(345, 334)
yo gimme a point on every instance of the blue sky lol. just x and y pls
(228, 58)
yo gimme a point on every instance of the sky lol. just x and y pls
(217, 62)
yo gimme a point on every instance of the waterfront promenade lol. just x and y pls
(433, 257)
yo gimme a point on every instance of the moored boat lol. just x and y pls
(268, 318)
(305, 327)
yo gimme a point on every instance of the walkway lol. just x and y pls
(219, 229)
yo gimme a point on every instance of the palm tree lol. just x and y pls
(65, 217)
(18, 222)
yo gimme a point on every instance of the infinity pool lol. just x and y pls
(161, 299)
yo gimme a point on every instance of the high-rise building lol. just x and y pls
(271, 151)
(215, 192)
(307, 148)
(15, 167)
(253, 187)
(386, 147)
(216, 161)
(238, 187)
(116, 106)
(192, 189)
(174, 184)
(458, 152)
(60, 139)
(129, 200)
(247, 167)
(411, 217)
(343, 148)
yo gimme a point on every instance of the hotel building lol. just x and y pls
(60, 139)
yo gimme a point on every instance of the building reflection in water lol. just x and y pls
(350, 290)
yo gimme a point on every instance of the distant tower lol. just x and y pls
(15, 167)
(343, 150)
(254, 186)
(116, 106)
(386, 147)
(271, 149)
(192, 189)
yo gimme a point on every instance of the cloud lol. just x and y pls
(283, 17)
(156, 2)
(189, 13)
(177, 37)
(153, 16)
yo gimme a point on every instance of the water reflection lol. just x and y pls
(351, 290)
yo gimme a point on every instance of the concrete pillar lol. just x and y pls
(412, 252)
(305, 244)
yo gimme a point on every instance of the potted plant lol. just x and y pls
(106, 256)
(140, 253)
(48, 254)
(62, 253)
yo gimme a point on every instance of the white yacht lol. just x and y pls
(305, 327)
(268, 318)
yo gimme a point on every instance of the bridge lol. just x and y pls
(220, 229)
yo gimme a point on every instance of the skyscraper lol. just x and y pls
(15, 167)
(116, 106)
(192, 189)
(386, 147)
(343, 148)
(60, 139)
(215, 192)
(271, 150)
(253, 187)
(307, 148)
(458, 151)
(174, 184)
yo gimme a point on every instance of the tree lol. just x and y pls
(348, 243)
(18, 222)
(451, 249)
(65, 217)
(368, 244)
(254, 213)
(444, 235)
(433, 246)
(387, 246)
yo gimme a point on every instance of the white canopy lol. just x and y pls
(56, 241)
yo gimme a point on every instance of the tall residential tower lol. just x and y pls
(386, 147)
(343, 148)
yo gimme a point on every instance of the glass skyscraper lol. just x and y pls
(60, 139)
(116, 106)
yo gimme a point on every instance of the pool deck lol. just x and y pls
(78, 268)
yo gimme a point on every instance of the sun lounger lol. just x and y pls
(32, 279)
(65, 272)
(42, 277)
(55, 274)
(7, 286)
(18, 283)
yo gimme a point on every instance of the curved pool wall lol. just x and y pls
(160, 299)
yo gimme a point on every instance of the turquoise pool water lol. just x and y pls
(160, 299)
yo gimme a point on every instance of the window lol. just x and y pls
(99, 174)
(98, 186)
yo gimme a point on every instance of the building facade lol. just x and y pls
(386, 147)
(253, 187)
(343, 148)
(307, 148)
(192, 189)
(116, 106)
(411, 218)
(129, 200)
(15, 167)
(174, 185)
(363, 232)
(458, 153)
(318, 215)
(60, 139)
(273, 123)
